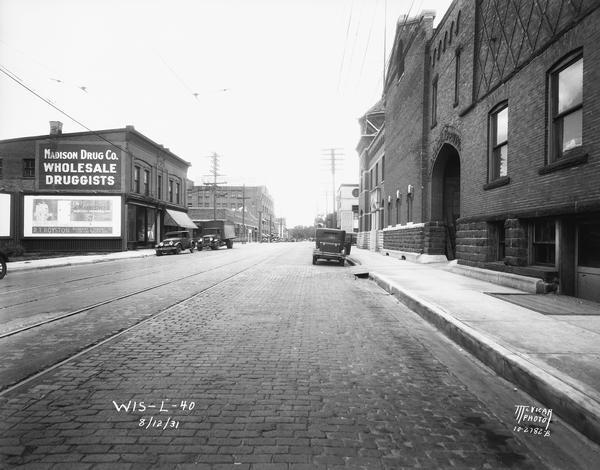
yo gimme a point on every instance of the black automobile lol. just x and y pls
(330, 245)
(3, 261)
(176, 242)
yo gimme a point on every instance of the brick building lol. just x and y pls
(504, 155)
(228, 203)
(108, 190)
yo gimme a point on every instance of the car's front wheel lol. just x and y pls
(178, 249)
(2, 268)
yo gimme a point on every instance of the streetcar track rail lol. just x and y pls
(84, 278)
(24, 381)
(104, 302)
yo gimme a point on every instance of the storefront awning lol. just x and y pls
(178, 219)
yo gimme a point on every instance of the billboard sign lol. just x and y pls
(5, 206)
(80, 166)
(72, 216)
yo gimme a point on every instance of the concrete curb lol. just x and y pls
(49, 263)
(573, 405)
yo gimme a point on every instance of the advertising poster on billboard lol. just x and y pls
(80, 166)
(5, 205)
(72, 216)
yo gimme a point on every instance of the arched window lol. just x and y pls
(458, 23)
(439, 53)
(451, 33)
(445, 40)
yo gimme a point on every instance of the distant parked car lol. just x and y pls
(3, 260)
(330, 245)
(176, 242)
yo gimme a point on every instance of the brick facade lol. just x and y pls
(531, 210)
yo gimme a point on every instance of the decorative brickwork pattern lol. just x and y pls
(513, 31)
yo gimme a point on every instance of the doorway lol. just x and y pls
(445, 194)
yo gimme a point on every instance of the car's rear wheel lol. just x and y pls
(2, 268)
(192, 248)
(178, 249)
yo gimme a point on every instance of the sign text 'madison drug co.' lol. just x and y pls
(79, 166)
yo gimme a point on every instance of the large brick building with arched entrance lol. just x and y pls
(489, 141)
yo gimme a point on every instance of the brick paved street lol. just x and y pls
(287, 366)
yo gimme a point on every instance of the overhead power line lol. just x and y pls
(15, 78)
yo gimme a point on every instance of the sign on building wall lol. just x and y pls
(5, 207)
(79, 166)
(72, 216)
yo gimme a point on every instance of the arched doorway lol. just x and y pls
(445, 194)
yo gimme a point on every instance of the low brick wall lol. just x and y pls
(405, 238)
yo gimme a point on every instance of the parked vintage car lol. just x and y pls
(3, 261)
(176, 242)
(330, 245)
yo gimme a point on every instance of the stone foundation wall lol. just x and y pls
(434, 238)
(472, 243)
(405, 238)
(516, 238)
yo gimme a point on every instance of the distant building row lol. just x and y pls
(484, 147)
(108, 190)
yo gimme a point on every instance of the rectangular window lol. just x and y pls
(1, 174)
(29, 168)
(159, 187)
(136, 179)
(434, 92)
(376, 174)
(177, 201)
(566, 108)
(382, 169)
(543, 242)
(498, 132)
(170, 190)
(456, 76)
(146, 182)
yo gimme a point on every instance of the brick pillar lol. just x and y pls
(515, 231)
(434, 239)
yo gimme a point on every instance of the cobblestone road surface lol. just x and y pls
(287, 366)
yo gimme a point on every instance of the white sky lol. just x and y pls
(298, 74)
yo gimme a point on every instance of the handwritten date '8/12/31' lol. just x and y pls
(162, 422)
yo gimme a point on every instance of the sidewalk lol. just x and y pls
(555, 358)
(13, 266)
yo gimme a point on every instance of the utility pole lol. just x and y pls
(243, 198)
(333, 156)
(214, 173)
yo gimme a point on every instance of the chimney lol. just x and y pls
(55, 127)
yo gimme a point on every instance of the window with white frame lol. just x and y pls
(498, 135)
(566, 107)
